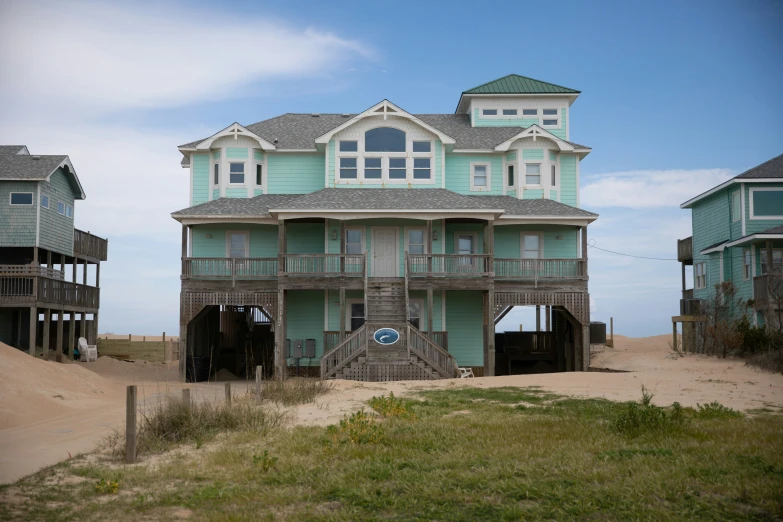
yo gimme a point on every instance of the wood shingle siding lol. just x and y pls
(18, 222)
(56, 232)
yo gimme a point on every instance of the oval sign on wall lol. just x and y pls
(386, 336)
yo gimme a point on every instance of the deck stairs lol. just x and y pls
(413, 357)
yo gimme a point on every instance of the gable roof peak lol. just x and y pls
(518, 84)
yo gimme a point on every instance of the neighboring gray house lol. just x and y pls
(37, 241)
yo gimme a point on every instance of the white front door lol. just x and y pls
(384, 245)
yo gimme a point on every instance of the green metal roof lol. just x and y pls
(516, 84)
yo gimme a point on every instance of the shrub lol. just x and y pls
(642, 418)
(392, 406)
(294, 391)
(771, 361)
(265, 462)
(107, 487)
(754, 338)
(357, 428)
(715, 410)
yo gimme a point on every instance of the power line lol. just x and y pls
(631, 255)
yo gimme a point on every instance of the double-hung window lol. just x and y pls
(416, 243)
(736, 213)
(550, 118)
(398, 168)
(699, 275)
(216, 174)
(21, 198)
(348, 168)
(236, 174)
(480, 176)
(68, 211)
(532, 245)
(353, 241)
(61, 208)
(746, 264)
(44, 201)
(238, 243)
(414, 311)
(422, 160)
(356, 319)
(532, 174)
(421, 168)
(373, 168)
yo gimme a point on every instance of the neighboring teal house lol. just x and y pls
(42, 304)
(737, 237)
(308, 233)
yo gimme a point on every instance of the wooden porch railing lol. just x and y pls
(16, 288)
(448, 265)
(685, 249)
(321, 265)
(332, 339)
(53, 291)
(529, 345)
(223, 268)
(89, 245)
(535, 269)
(343, 353)
(434, 355)
(31, 270)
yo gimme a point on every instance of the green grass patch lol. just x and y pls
(466, 455)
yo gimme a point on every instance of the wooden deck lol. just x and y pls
(89, 247)
(16, 291)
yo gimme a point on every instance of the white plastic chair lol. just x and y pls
(87, 352)
(464, 373)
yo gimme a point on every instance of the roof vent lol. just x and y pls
(315, 115)
(275, 141)
(344, 115)
(35, 157)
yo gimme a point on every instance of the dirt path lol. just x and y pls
(48, 410)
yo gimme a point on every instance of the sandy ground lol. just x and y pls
(49, 411)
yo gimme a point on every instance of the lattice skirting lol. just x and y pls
(191, 303)
(384, 373)
(577, 303)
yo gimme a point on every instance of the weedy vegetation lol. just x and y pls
(294, 391)
(467, 454)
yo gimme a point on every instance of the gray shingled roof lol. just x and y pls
(257, 206)
(533, 207)
(769, 169)
(299, 131)
(23, 166)
(11, 149)
(380, 199)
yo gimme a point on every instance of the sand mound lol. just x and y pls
(133, 371)
(32, 389)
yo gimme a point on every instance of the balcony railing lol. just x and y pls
(767, 291)
(88, 245)
(685, 249)
(31, 270)
(321, 265)
(49, 291)
(332, 339)
(449, 265)
(537, 269)
(231, 269)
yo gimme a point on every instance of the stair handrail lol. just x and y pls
(344, 352)
(434, 355)
(407, 307)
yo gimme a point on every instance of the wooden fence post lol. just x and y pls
(259, 374)
(611, 330)
(228, 394)
(186, 397)
(130, 425)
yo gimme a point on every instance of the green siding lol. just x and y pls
(507, 241)
(305, 320)
(533, 154)
(258, 155)
(305, 238)
(216, 154)
(56, 231)
(479, 121)
(552, 156)
(236, 192)
(330, 161)
(465, 324)
(553, 195)
(17, 223)
(511, 156)
(560, 132)
(711, 221)
(458, 172)
(533, 194)
(200, 178)
(294, 173)
(568, 188)
(257, 192)
(216, 193)
(236, 152)
(334, 306)
(263, 239)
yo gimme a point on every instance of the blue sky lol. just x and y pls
(676, 97)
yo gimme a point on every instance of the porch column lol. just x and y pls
(74, 264)
(489, 334)
(683, 280)
(281, 246)
(548, 313)
(184, 241)
(58, 352)
(584, 248)
(33, 329)
(84, 276)
(429, 251)
(430, 311)
(183, 348)
(538, 318)
(46, 327)
(342, 313)
(342, 246)
(71, 333)
(83, 327)
(769, 257)
(94, 329)
(280, 337)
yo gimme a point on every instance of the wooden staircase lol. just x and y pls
(413, 357)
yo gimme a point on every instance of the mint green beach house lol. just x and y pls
(386, 245)
(738, 237)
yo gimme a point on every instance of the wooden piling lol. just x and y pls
(186, 397)
(228, 393)
(259, 374)
(130, 425)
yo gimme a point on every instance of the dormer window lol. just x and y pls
(348, 168)
(384, 155)
(509, 112)
(384, 139)
(529, 112)
(489, 112)
(550, 118)
(532, 174)
(236, 173)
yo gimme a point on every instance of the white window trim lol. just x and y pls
(48, 199)
(553, 179)
(32, 199)
(533, 186)
(67, 208)
(264, 175)
(422, 322)
(556, 117)
(522, 235)
(473, 166)
(408, 155)
(752, 211)
(498, 112)
(215, 163)
(738, 216)
(427, 243)
(228, 242)
(244, 167)
(696, 285)
(500, 115)
(362, 233)
(58, 208)
(747, 276)
(516, 175)
(537, 115)
(466, 233)
(347, 318)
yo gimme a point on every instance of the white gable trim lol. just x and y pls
(535, 132)
(386, 109)
(234, 130)
(728, 183)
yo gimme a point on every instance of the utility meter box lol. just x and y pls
(309, 348)
(297, 348)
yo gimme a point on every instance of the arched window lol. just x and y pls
(384, 139)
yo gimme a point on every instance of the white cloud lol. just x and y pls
(649, 188)
(105, 56)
